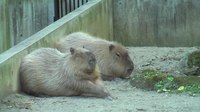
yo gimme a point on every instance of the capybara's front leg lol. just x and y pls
(108, 78)
(92, 89)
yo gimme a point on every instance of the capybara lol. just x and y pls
(112, 58)
(48, 72)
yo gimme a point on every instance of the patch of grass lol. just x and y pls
(190, 88)
(166, 84)
(150, 79)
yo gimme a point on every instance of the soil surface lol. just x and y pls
(125, 97)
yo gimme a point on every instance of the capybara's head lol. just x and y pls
(120, 63)
(83, 59)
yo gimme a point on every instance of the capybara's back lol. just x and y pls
(78, 39)
(112, 58)
(38, 69)
(47, 71)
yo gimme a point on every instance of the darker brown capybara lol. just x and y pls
(112, 58)
(48, 72)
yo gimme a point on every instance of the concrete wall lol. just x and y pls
(157, 22)
(95, 17)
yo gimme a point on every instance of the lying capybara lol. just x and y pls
(112, 58)
(48, 72)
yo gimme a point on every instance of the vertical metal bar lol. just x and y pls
(63, 7)
(82, 2)
(78, 3)
(66, 10)
(70, 6)
(74, 3)
(56, 5)
(60, 3)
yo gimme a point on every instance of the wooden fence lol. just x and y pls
(22, 18)
(165, 23)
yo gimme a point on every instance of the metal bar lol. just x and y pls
(61, 8)
(78, 3)
(74, 3)
(56, 5)
(66, 10)
(82, 2)
(70, 5)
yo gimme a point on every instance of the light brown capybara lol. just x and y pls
(48, 72)
(112, 58)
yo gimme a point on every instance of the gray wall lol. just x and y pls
(95, 17)
(22, 18)
(157, 22)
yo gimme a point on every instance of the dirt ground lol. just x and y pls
(126, 98)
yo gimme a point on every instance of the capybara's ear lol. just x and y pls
(111, 47)
(72, 50)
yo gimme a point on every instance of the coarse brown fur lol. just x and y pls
(47, 71)
(112, 58)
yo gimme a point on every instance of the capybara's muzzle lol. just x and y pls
(92, 60)
(130, 69)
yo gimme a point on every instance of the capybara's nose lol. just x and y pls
(92, 60)
(129, 71)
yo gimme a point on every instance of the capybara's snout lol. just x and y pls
(92, 59)
(129, 69)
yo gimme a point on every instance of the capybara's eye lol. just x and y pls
(117, 54)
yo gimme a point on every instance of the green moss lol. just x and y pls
(166, 84)
(147, 79)
(193, 88)
(155, 80)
